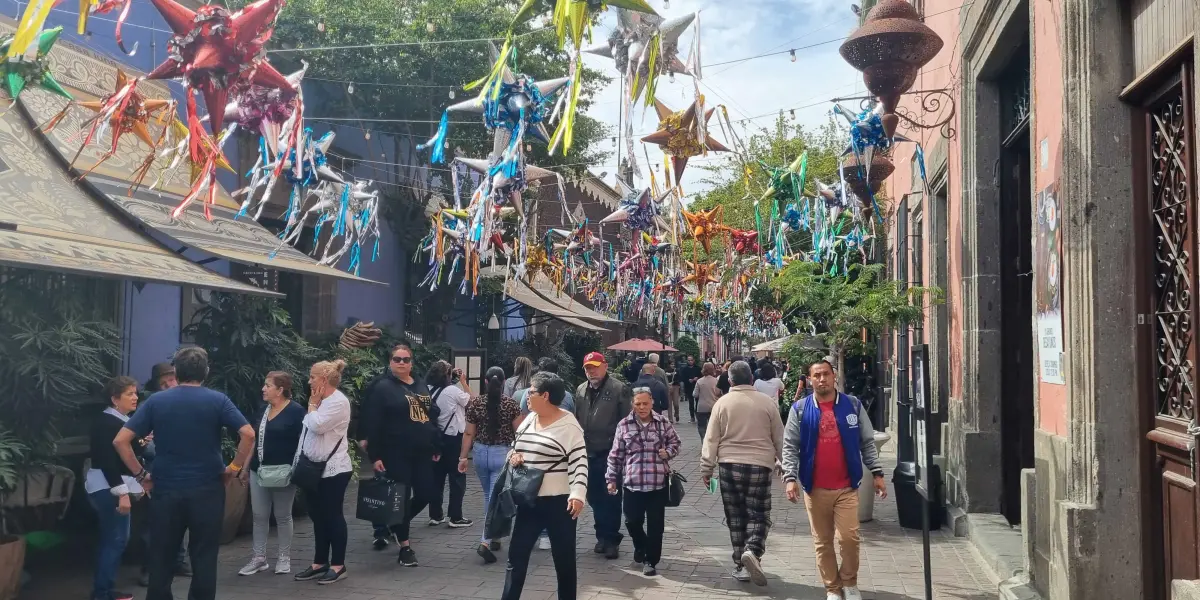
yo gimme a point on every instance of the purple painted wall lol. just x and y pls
(371, 302)
(152, 327)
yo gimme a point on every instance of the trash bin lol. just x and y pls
(866, 489)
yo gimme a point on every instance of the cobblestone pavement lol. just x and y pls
(696, 559)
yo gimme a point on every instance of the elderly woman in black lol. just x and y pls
(111, 488)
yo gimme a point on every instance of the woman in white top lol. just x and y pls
(324, 439)
(550, 440)
(768, 383)
(452, 394)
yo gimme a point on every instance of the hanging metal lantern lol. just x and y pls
(890, 48)
(856, 175)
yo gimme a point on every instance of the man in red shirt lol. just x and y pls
(827, 442)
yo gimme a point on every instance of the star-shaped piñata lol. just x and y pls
(124, 111)
(745, 241)
(538, 263)
(641, 40)
(705, 224)
(23, 66)
(682, 135)
(217, 51)
(701, 275)
(637, 209)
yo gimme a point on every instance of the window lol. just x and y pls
(917, 273)
(1015, 94)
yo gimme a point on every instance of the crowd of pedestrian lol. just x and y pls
(540, 452)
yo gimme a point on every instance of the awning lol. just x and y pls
(520, 291)
(241, 240)
(565, 301)
(48, 222)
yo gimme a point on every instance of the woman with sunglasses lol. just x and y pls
(403, 439)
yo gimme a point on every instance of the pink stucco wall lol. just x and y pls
(1047, 124)
(940, 73)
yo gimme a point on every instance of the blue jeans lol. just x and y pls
(606, 508)
(114, 535)
(489, 461)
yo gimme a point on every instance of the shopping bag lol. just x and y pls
(382, 501)
(501, 510)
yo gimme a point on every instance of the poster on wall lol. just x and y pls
(1047, 288)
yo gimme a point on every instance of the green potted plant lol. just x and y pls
(12, 547)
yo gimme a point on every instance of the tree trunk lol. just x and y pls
(839, 363)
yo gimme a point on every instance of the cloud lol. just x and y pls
(755, 89)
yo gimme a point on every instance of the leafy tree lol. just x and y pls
(687, 345)
(422, 78)
(837, 309)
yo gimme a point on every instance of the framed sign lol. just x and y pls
(923, 418)
(472, 364)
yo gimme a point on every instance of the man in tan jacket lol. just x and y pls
(744, 443)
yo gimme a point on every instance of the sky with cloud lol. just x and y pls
(754, 89)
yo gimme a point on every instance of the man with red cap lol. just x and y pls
(600, 404)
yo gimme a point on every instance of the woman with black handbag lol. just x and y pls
(323, 471)
(549, 456)
(403, 439)
(644, 442)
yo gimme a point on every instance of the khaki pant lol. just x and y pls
(673, 408)
(831, 511)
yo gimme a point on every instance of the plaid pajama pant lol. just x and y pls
(746, 494)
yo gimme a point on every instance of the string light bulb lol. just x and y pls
(793, 53)
(321, 27)
(451, 94)
(430, 27)
(446, 145)
(350, 88)
(666, 4)
(367, 134)
(671, 76)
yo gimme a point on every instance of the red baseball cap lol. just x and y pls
(594, 359)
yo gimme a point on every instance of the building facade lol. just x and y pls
(1060, 218)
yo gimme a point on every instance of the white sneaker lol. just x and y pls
(832, 596)
(544, 543)
(255, 565)
(750, 561)
(740, 574)
(283, 566)
(436, 522)
(851, 593)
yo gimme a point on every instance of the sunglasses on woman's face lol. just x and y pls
(402, 360)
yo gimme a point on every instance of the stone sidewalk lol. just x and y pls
(696, 560)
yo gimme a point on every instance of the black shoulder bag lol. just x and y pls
(524, 482)
(308, 472)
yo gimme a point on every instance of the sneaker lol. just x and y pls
(380, 544)
(543, 543)
(435, 522)
(832, 596)
(332, 576)
(750, 562)
(283, 566)
(407, 557)
(119, 596)
(740, 574)
(649, 570)
(494, 546)
(612, 551)
(311, 573)
(600, 548)
(183, 569)
(486, 554)
(851, 593)
(459, 523)
(256, 565)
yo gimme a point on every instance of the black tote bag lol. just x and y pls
(381, 500)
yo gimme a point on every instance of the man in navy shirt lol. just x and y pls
(189, 473)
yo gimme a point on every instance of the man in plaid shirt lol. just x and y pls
(644, 442)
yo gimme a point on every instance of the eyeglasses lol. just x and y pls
(402, 360)
(641, 390)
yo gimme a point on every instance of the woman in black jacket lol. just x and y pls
(111, 488)
(403, 439)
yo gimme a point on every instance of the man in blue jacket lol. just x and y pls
(827, 441)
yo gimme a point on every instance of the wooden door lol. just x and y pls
(1169, 257)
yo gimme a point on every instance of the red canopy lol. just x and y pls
(640, 345)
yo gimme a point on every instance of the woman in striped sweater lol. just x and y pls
(550, 440)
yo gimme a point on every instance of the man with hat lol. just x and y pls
(600, 404)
